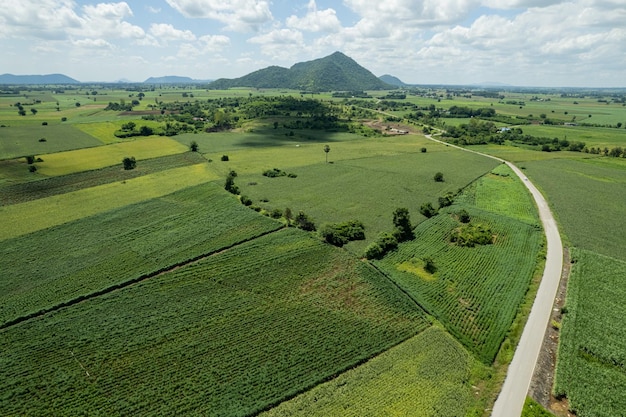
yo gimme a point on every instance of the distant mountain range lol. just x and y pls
(37, 79)
(336, 72)
(174, 79)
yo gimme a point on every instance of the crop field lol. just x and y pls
(223, 337)
(588, 196)
(104, 130)
(592, 350)
(36, 215)
(119, 245)
(368, 189)
(475, 291)
(592, 136)
(428, 375)
(63, 163)
(18, 141)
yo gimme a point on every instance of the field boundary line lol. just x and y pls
(131, 282)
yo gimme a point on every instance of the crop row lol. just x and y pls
(42, 270)
(424, 376)
(475, 291)
(592, 351)
(203, 340)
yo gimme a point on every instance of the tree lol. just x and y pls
(428, 210)
(33, 111)
(275, 125)
(129, 163)
(438, 177)
(463, 216)
(229, 185)
(429, 265)
(146, 131)
(304, 222)
(193, 146)
(326, 150)
(288, 215)
(402, 223)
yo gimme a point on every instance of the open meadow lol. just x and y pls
(155, 291)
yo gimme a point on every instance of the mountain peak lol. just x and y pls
(335, 72)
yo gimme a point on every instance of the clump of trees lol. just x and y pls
(339, 234)
(388, 241)
(275, 172)
(470, 235)
(304, 222)
(229, 185)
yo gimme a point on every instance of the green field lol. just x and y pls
(592, 350)
(475, 291)
(119, 245)
(428, 375)
(36, 215)
(226, 336)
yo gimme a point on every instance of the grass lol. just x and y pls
(475, 291)
(64, 163)
(366, 188)
(587, 196)
(36, 215)
(428, 375)
(120, 245)
(223, 337)
(592, 349)
(18, 141)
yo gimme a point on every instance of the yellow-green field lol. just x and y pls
(36, 215)
(64, 163)
(105, 131)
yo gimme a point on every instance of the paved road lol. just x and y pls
(511, 399)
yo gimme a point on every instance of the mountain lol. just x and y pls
(390, 79)
(336, 72)
(37, 79)
(173, 79)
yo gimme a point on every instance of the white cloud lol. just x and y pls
(44, 19)
(166, 32)
(107, 20)
(92, 44)
(315, 20)
(237, 15)
(280, 44)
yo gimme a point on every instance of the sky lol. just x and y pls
(547, 43)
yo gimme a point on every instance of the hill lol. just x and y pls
(37, 79)
(173, 79)
(336, 72)
(390, 79)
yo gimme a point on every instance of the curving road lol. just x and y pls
(510, 402)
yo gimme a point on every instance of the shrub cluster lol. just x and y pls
(470, 235)
(339, 234)
(275, 172)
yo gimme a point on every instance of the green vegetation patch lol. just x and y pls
(231, 335)
(587, 197)
(473, 291)
(17, 141)
(428, 375)
(591, 368)
(42, 270)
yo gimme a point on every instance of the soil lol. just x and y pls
(543, 378)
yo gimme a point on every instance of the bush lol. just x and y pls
(30, 159)
(64, 119)
(446, 200)
(245, 200)
(339, 234)
(304, 222)
(438, 177)
(463, 216)
(129, 163)
(402, 224)
(277, 214)
(224, 158)
(43, 140)
(428, 210)
(386, 242)
(423, 150)
(32, 168)
(44, 123)
(193, 146)
(471, 235)
(429, 265)
(274, 172)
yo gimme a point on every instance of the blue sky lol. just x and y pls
(518, 42)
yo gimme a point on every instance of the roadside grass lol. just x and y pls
(592, 347)
(70, 162)
(19, 141)
(367, 188)
(225, 336)
(428, 375)
(40, 214)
